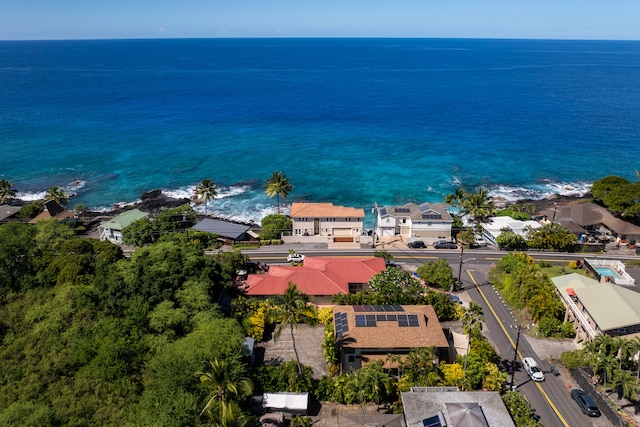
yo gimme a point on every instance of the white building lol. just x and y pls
(497, 224)
(112, 230)
(426, 221)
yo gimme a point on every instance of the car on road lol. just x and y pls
(416, 244)
(532, 368)
(297, 258)
(445, 245)
(586, 403)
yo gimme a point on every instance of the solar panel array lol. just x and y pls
(408, 320)
(371, 320)
(431, 216)
(377, 308)
(402, 210)
(341, 324)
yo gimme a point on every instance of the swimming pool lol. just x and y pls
(606, 271)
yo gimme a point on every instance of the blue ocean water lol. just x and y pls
(350, 121)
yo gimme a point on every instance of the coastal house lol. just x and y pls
(591, 219)
(8, 213)
(446, 406)
(324, 222)
(52, 209)
(320, 278)
(112, 230)
(427, 221)
(367, 333)
(598, 308)
(498, 224)
(230, 232)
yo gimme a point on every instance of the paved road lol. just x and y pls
(551, 398)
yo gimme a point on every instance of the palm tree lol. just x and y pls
(224, 381)
(456, 198)
(57, 194)
(229, 414)
(206, 191)
(290, 309)
(7, 192)
(278, 185)
(479, 206)
(473, 318)
(626, 349)
(624, 382)
(372, 383)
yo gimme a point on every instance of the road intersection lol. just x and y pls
(551, 398)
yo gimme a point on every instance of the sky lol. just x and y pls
(530, 19)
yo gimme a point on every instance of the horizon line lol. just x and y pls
(316, 38)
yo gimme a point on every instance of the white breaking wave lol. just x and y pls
(71, 188)
(544, 190)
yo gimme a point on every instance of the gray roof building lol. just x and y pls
(228, 230)
(424, 407)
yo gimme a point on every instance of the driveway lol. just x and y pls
(308, 343)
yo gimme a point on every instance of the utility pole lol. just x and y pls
(460, 267)
(513, 365)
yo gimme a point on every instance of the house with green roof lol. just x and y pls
(112, 230)
(598, 308)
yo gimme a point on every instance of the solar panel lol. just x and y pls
(402, 210)
(358, 308)
(436, 421)
(360, 322)
(341, 324)
(392, 317)
(413, 320)
(377, 308)
(381, 317)
(397, 308)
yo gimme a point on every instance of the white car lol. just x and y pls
(532, 368)
(480, 242)
(295, 258)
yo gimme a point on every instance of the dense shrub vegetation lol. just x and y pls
(524, 286)
(92, 338)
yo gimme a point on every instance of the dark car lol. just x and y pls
(445, 245)
(586, 403)
(417, 244)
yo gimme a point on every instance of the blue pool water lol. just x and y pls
(606, 271)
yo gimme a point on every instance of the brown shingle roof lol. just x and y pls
(388, 334)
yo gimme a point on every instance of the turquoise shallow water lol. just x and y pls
(350, 121)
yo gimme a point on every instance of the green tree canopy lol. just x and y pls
(274, 225)
(437, 273)
(396, 286)
(552, 236)
(508, 239)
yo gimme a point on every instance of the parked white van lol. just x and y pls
(532, 368)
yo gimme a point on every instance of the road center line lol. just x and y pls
(560, 417)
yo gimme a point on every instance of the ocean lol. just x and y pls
(349, 121)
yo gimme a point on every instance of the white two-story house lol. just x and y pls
(333, 223)
(425, 221)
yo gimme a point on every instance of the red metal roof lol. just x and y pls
(318, 276)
